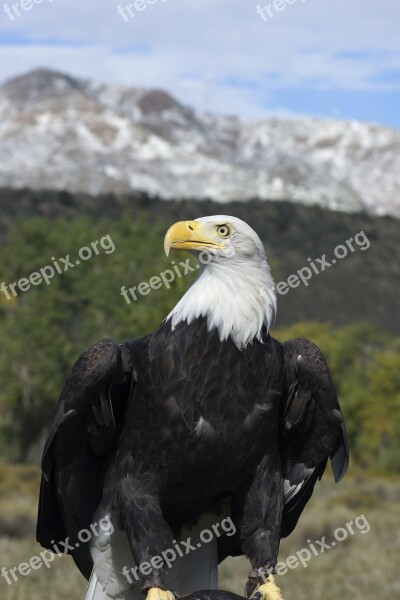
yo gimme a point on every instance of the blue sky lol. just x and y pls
(326, 58)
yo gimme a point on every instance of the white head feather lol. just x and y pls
(235, 290)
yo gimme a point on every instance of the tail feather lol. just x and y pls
(111, 556)
(95, 591)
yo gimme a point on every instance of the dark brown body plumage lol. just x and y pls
(171, 425)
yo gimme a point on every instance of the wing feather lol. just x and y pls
(87, 420)
(311, 427)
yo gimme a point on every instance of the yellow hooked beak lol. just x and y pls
(190, 235)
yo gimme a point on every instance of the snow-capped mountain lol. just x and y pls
(61, 132)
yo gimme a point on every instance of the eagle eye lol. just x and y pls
(224, 231)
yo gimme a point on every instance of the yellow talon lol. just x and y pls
(158, 594)
(269, 590)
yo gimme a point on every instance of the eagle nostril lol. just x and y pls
(191, 227)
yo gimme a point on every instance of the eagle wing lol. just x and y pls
(85, 426)
(311, 428)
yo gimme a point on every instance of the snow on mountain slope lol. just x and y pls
(61, 132)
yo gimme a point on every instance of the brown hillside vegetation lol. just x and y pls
(361, 567)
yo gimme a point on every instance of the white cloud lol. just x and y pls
(197, 48)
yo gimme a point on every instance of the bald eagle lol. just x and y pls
(207, 420)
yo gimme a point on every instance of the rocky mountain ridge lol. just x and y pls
(62, 132)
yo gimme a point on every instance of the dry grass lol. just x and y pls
(18, 496)
(19, 488)
(364, 567)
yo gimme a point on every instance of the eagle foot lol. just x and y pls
(159, 594)
(266, 591)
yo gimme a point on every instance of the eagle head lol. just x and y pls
(235, 289)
